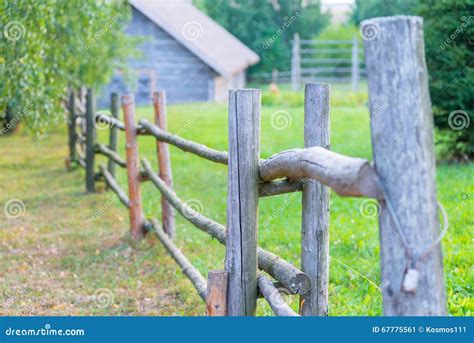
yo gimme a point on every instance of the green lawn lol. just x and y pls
(53, 263)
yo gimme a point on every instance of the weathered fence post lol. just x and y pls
(72, 127)
(90, 141)
(216, 303)
(355, 71)
(114, 110)
(315, 219)
(402, 139)
(133, 171)
(295, 63)
(242, 201)
(164, 163)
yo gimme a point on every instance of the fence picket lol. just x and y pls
(242, 201)
(90, 141)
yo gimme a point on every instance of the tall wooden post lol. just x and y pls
(114, 110)
(133, 171)
(216, 302)
(355, 72)
(400, 103)
(296, 64)
(315, 197)
(242, 201)
(90, 141)
(164, 163)
(72, 127)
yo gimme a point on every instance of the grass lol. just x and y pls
(54, 263)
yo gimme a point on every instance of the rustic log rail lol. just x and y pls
(311, 170)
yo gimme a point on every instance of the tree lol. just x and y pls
(449, 28)
(448, 31)
(48, 46)
(267, 27)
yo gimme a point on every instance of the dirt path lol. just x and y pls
(63, 252)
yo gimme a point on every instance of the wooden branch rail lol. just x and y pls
(348, 176)
(104, 118)
(274, 298)
(184, 144)
(290, 276)
(112, 183)
(188, 269)
(267, 189)
(104, 150)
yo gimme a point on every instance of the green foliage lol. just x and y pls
(267, 27)
(47, 46)
(449, 28)
(365, 9)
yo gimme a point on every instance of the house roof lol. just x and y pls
(214, 45)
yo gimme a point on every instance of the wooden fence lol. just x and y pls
(402, 180)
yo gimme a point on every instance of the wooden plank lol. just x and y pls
(164, 163)
(242, 201)
(315, 207)
(347, 176)
(90, 141)
(290, 276)
(133, 171)
(188, 269)
(274, 298)
(216, 304)
(402, 139)
(72, 128)
(114, 110)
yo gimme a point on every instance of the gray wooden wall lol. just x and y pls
(165, 64)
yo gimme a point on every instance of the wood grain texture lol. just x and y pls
(188, 269)
(290, 276)
(216, 303)
(133, 172)
(164, 163)
(402, 139)
(114, 110)
(347, 176)
(242, 201)
(315, 206)
(267, 189)
(90, 141)
(274, 298)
